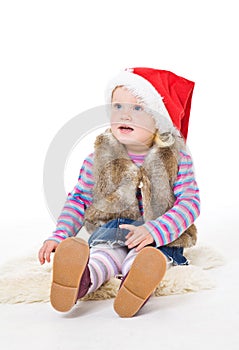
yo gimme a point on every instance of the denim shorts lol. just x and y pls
(113, 236)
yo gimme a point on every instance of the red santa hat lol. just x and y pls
(163, 92)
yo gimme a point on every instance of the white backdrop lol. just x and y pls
(56, 58)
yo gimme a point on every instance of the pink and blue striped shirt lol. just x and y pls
(164, 229)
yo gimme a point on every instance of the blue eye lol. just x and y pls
(138, 108)
(117, 106)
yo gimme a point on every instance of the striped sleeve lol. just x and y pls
(71, 218)
(168, 227)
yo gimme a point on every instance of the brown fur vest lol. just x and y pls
(117, 179)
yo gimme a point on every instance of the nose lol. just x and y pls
(126, 115)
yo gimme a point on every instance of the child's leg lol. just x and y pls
(128, 261)
(147, 270)
(104, 263)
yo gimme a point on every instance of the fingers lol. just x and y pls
(127, 226)
(134, 238)
(142, 245)
(41, 256)
(134, 241)
(48, 254)
(137, 237)
(45, 251)
(130, 234)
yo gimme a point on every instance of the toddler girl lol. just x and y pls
(136, 196)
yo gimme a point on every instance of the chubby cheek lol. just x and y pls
(114, 129)
(114, 119)
(143, 134)
(148, 125)
(114, 125)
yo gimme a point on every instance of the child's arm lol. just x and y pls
(71, 218)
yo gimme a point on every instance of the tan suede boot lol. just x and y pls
(71, 277)
(144, 276)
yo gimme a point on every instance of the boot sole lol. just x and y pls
(70, 260)
(145, 274)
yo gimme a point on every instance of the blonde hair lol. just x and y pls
(163, 140)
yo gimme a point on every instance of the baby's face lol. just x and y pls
(130, 123)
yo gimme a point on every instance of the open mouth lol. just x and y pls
(125, 128)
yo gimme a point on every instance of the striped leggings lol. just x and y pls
(106, 262)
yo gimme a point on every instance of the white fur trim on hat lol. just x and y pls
(142, 89)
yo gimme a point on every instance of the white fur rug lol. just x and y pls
(24, 280)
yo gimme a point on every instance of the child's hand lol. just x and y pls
(138, 236)
(46, 250)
